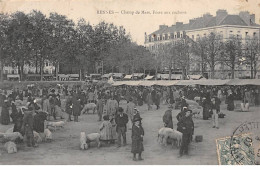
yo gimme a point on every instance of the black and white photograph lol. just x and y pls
(129, 82)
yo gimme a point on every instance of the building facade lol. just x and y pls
(223, 24)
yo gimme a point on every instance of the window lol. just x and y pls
(254, 34)
(205, 34)
(46, 64)
(192, 37)
(181, 35)
(175, 36)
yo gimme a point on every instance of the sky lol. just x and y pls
(136, 16)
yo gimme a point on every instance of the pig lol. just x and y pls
(163, 135)
(12, 136)
(55, 124)
(83, 140)
(10, 147)
(48, 135)
(89, 106)
(93, 137)
(176, 136)
(10, 130)
(37, 137)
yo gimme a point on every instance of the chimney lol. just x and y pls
(162, 27)
(245, 16)
(191, 21)
(206, 18)
(178, 24)
(252, 18)
(220, 15)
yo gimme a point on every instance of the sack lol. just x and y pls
(221, 115)
(198, 138)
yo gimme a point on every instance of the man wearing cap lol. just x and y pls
(121, 121)
(186, 127)
(167, 117)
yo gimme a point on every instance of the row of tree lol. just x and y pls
(210, 51)
(32, 39)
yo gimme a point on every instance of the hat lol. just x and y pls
(170, 106)
(120, 109)
(106, 118)
(137, 118)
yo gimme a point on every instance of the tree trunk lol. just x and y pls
(41, 69)
(80, 75)
(233, 71)
(22, 67)
(212, 69)
(1, 71)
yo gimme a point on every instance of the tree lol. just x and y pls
(232, 50)
(19, 39)
(4, 23)
(251, 49)
(212, 51)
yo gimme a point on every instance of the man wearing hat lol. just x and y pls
(121, 121)
(137, 138)
(167, 117)
(186, 127)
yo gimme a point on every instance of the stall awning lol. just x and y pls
(63, 76)
(106, 75)
(195, 77)
(128, 77)
(244, 82)
(147, 83)
(138, 74)
(13, 76)
(149, 77)
(166, 82)
(73, 75)
(118, 75)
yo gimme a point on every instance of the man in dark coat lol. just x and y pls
(137, 138)
(38, 121)
(5, 117)
(69, 107)
(76, 108)
(121, 121)
(167, 117)
(186, 127)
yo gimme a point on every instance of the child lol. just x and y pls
(106, 129)
(137, 138)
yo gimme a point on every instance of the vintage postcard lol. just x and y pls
(129, 82)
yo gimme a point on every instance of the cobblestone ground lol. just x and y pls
(64, 149)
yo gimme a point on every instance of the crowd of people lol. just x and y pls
(46, 104)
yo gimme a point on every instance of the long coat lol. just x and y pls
(130, 110)
(106, 130)
(46, 106)
(76, 108)
(112, 106)
(100, 107)
(149, 99)
(167, 119)
(137, 140)
(5, 118)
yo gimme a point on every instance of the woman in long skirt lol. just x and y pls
(5, 117)
(137, 139)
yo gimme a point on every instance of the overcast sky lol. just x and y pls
(167, 11)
